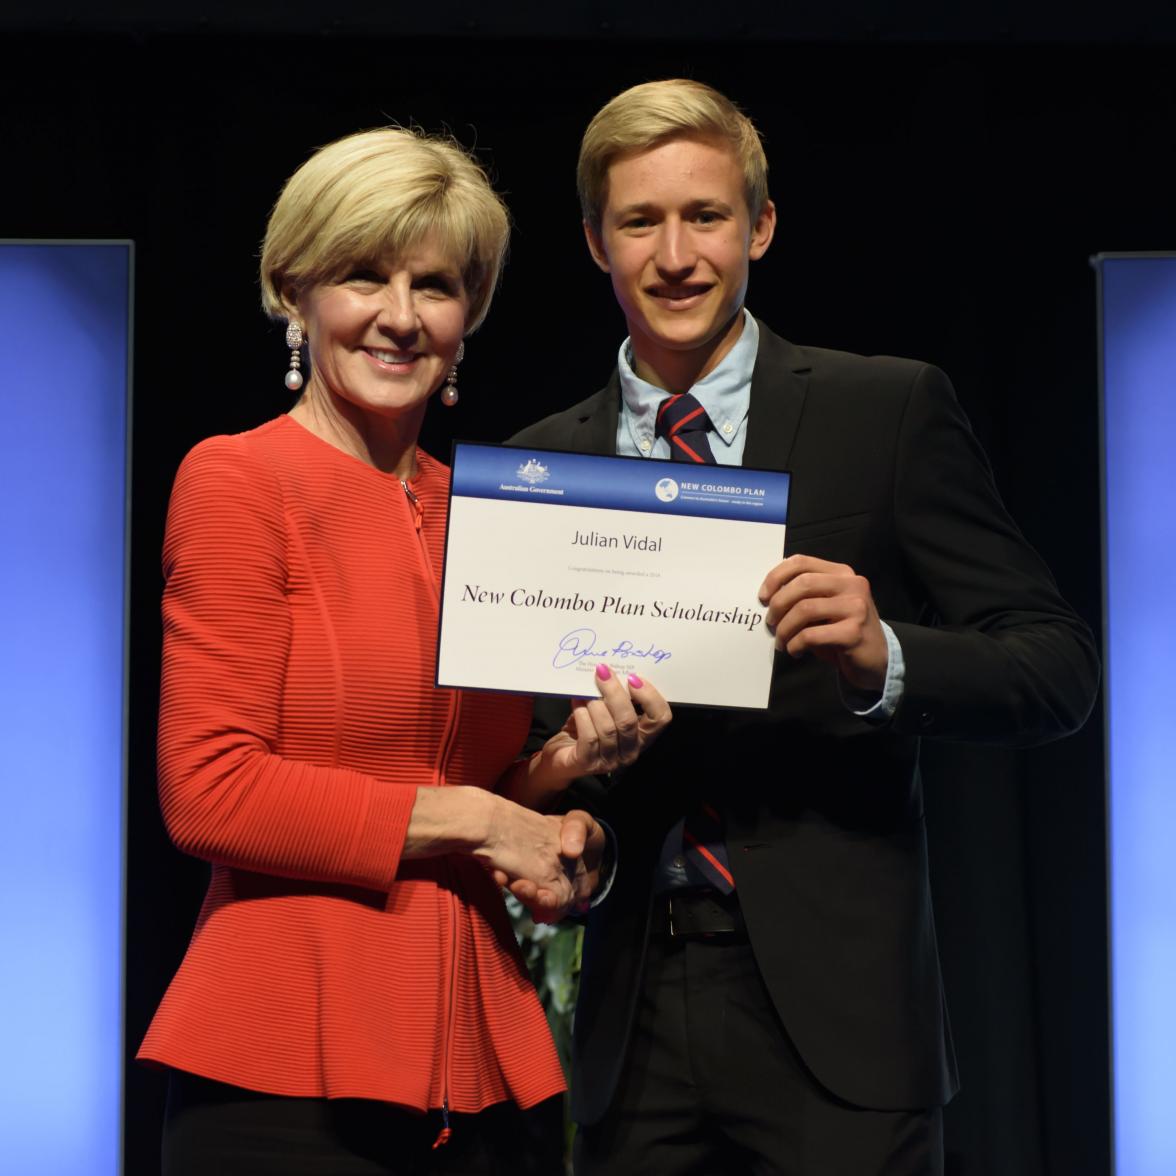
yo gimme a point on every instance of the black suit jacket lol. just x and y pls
(824, 812)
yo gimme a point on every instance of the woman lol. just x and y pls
(352, 966)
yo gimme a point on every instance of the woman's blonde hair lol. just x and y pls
(379, 192)
(648, 115)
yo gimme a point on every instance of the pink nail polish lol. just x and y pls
(603, 672)
(635, 682)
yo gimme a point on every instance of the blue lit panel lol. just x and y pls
(1138, 307)
(64, 368)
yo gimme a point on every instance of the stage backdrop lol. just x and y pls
(64, 343)
(1138, 322)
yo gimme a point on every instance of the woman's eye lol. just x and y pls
(438, 284)
(364, 275)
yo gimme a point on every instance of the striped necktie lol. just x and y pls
(685, 424)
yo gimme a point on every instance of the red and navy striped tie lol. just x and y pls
(704, 849)
(685, 424)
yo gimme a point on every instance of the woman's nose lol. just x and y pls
(398, 313)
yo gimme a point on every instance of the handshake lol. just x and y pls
(551, 864)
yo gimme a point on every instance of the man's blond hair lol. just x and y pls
(377, 193)
(648, 115)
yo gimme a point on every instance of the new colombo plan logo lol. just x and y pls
(532, 472)
(666, 489)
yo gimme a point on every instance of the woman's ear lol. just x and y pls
(289, 301)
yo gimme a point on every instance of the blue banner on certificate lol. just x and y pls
(555, 562)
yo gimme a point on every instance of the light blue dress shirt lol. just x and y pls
(725, 394)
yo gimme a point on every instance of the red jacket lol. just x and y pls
(298, 717)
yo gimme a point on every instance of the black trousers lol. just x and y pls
(212, 1129)
(713, 1086)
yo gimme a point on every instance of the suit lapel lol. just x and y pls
(779, 383)
(594, 429)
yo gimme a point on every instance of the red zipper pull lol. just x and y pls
(415, 503)
(446, 1133)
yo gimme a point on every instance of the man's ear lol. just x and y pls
(762, 231)
(596, 247)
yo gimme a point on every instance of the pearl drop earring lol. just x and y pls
(449, 392)
(294, 339)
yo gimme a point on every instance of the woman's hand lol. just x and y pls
(605, 733)
(600, 735)
(550, 863)
(582, 844)
(540, 857)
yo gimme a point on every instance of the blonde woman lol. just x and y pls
(352, 999)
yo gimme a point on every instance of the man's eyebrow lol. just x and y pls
(647, 207)
(709, 202)
(630, 209)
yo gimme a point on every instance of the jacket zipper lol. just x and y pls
(444, 1135)
(447, 1046)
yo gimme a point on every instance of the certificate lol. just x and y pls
(555, 562)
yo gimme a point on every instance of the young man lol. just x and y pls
(793, 1021)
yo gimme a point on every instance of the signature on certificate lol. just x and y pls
(580, 644)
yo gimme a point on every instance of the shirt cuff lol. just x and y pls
(880, 709)
(608, 865)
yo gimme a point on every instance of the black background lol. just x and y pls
(942, 180)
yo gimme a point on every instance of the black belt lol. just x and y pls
(698, 914)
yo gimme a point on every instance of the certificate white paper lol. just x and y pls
(555, 562)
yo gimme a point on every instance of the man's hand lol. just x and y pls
(826, 609)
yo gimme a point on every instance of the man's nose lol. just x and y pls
(675, 253)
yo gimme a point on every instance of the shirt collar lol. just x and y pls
(725, 393)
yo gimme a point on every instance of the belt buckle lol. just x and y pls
(689, 927)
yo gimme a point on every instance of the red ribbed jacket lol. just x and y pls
(298, 716)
